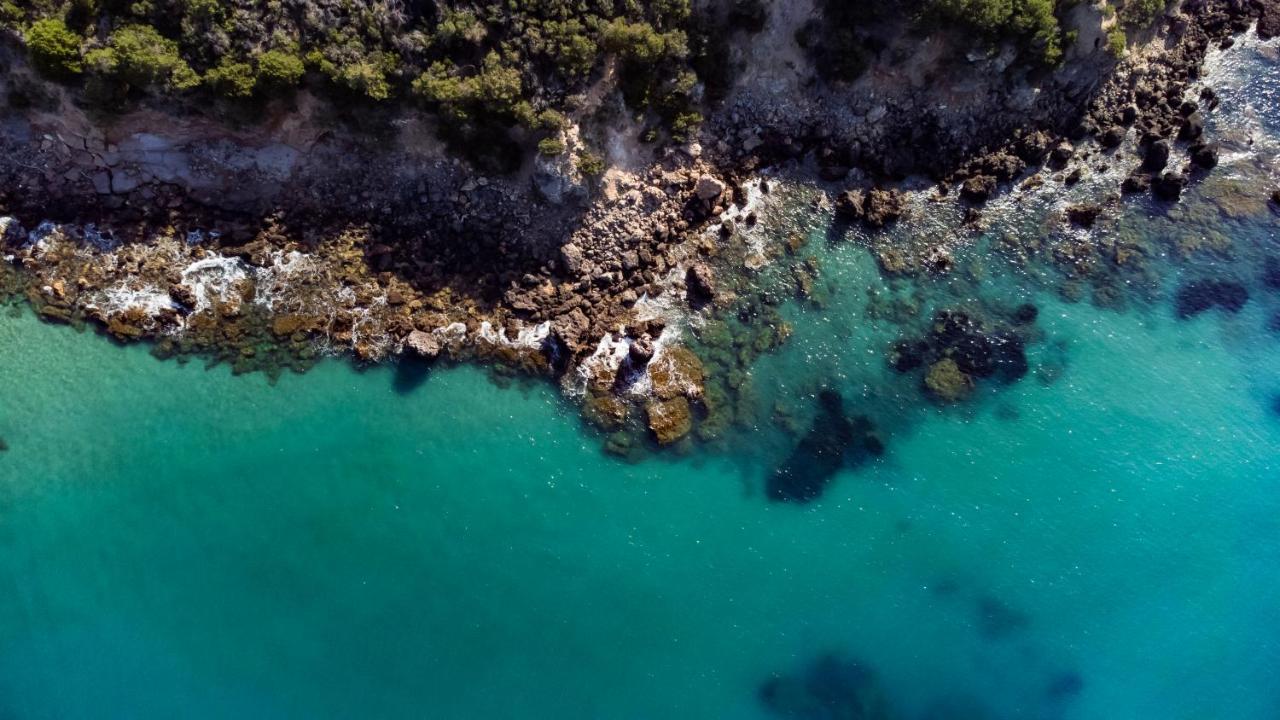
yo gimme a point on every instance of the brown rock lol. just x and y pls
(669, 420)
(946, 382)
(425, 344)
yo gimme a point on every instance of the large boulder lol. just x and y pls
(700, 283)
(978, 189)
(425, 344)
(884, 206)
(709, 188)
(851, 205)
(1157, 156)
(1169, 185)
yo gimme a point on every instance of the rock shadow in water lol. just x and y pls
(833, 442)
(410, 374)
(830, 688)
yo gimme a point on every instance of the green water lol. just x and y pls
(181, 542)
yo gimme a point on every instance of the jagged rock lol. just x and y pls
(669, 420)
(1157, 156)
(641, 350)
(676, 372)
(1062, 153)
(946, 382)
(11, 231)
(1034, 147)
(572, 258)
(1084, 214)
(700, 283)
(1269, 23)
(425, 344)
(184, 295)
(851, 205)
(884, 206)
(709, 188)
(1111, 137)
(978, 189)
(1205, 155)
(1137, 182)
(1169, 185)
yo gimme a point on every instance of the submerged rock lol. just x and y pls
(4, 446)
(831, 688)
(833, 442)
(1169, 185)
(1197, 297)
(946, 382)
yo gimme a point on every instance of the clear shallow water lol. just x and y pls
(181, 542)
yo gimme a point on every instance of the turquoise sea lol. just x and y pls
(1100, 539)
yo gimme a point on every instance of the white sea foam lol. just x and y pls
(214, 279)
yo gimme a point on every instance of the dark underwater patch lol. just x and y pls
(832, 443)
(830, 688)
(960, 349)
(997, 621)
(410, 373)
(1201, 296)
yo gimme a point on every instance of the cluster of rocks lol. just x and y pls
(834, 442)
(960, 349)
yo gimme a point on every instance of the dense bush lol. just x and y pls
(55, 50)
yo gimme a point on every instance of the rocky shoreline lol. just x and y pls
(236, 246)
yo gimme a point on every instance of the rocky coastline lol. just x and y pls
(237, 246)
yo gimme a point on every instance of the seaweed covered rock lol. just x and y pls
(946, 382)
(669, 420)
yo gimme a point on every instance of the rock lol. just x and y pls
(700, 283)
(1026, 314)
(641, 351)
(1205, 155)
(425, 344)
(1169, 185)
(1062, 153)
(676, 372)
(669, 420)
(4, 446)
(1084, 214)
(978, 189)
(1269, 23)
(884, 206)
(946, 382)
(1137, 182)
(709, 188)
(1202, 295)
(606, 411)
(572, 259)
(11, 232)
(851, 205)
(1034, 147)
(1111, 137)
(557, 178)
(1157, 156)
(1192, 127)
(184, 295)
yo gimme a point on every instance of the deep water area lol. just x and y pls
(1038, 479)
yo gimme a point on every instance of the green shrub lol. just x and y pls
(141, 57)
(551, 147)
(1116, 41)
(55, 50)
(1140, 13)
(590, 163)
(232, 79)
(279, 68)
